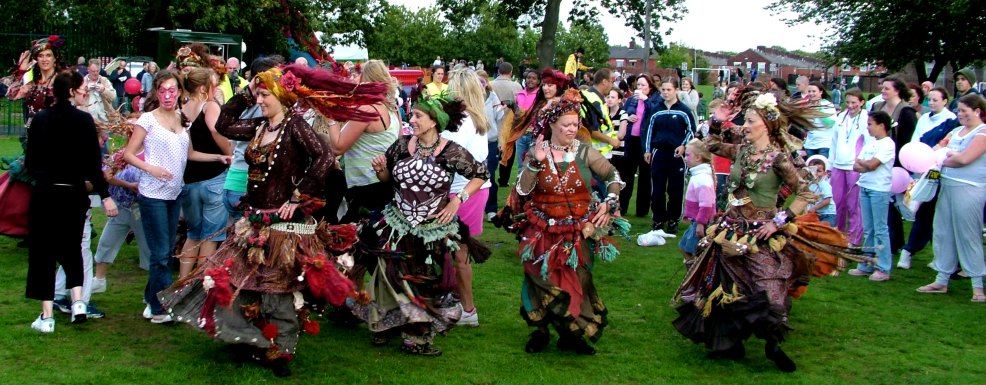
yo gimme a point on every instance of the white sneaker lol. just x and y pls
(80, 312)
(162, 319)
(470, 319)
(98, 285)
(490, 216)
(905, 260)
(147, 312)
(44, 325)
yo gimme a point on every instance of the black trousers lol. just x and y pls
(56, 216)
(921, 230)
(667, 185)
(631, 164)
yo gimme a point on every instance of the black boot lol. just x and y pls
(420, 350)
(576, 344)
(773, 351)
(737, 352)
(280, 367)
(539, 340)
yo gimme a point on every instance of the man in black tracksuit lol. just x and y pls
(668, 130)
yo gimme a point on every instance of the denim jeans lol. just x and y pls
(233, 209)
(492, 160)
(203, 204)
(816, 151)
(160, 220)
(115, 233)
(874, 205)
(521, 147)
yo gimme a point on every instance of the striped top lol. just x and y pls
(359, 158)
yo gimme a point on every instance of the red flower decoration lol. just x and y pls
(289, 81)
(270, 331)
(312, 327)
(52, 38)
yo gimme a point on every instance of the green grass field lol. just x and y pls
(846, 330)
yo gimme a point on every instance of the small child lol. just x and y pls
(825, 206)
(700, 197)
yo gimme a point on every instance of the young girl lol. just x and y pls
(700, 196)
(874, 165)
(620, 119)
(825, 206)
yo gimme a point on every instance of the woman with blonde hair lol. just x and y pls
(464, 84)
(360, 142)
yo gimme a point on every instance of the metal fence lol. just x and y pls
(11, 117)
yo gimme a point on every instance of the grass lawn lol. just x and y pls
(846, 330)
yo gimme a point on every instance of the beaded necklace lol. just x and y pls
(753, 168)
(259, 154)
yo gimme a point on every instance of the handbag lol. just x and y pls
(923, 190)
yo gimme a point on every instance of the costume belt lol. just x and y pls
(297, 228)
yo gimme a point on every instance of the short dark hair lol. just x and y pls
(673, 81)
(505, 68)
(858, 93)
(601, 75)
(974, 101)
(580, 50)
(942, 91)
(64, 83)
(436, 68)
(899, 86)
(265, 63)
(882, 118)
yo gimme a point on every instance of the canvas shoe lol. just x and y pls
(98, 285)
(162, 319)
(94, 312)
(147, 312)
(879, 276)
(905, 260)
(63, 305)
(80, 312)
(44, 325)
(470, 319)
(859, 273)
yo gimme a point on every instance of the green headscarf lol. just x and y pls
(434, 107)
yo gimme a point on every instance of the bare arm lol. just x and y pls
(211, 112)
(975, 150)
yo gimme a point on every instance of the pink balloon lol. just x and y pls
(899, 180)
(917, 157)
(132, 86)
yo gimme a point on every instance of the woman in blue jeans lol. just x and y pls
(203, 197)
(874, 164)
(162, 134)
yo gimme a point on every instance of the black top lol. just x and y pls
(63, 148)
(202, 141)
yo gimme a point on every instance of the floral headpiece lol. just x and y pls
(433, 105)
(280, 84)
(53, 42)
(569, 104)
(188, 58)
(766, 103)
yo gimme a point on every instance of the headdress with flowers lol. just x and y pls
(329, 94)
(570, 103)
(766, 105)
(53, 42)
(188, 58)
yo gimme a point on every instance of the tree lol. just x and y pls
(546, 15)
(676, 54)
(896, 33)
(591, 37)
(404, 36)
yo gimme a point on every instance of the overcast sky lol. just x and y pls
(711, 25)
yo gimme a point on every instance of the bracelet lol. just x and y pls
(463, 196)
(533, 165)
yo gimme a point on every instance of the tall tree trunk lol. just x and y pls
(549, 27)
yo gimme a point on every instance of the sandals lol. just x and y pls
(420, 350)
(978, 298)
(934, 289)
